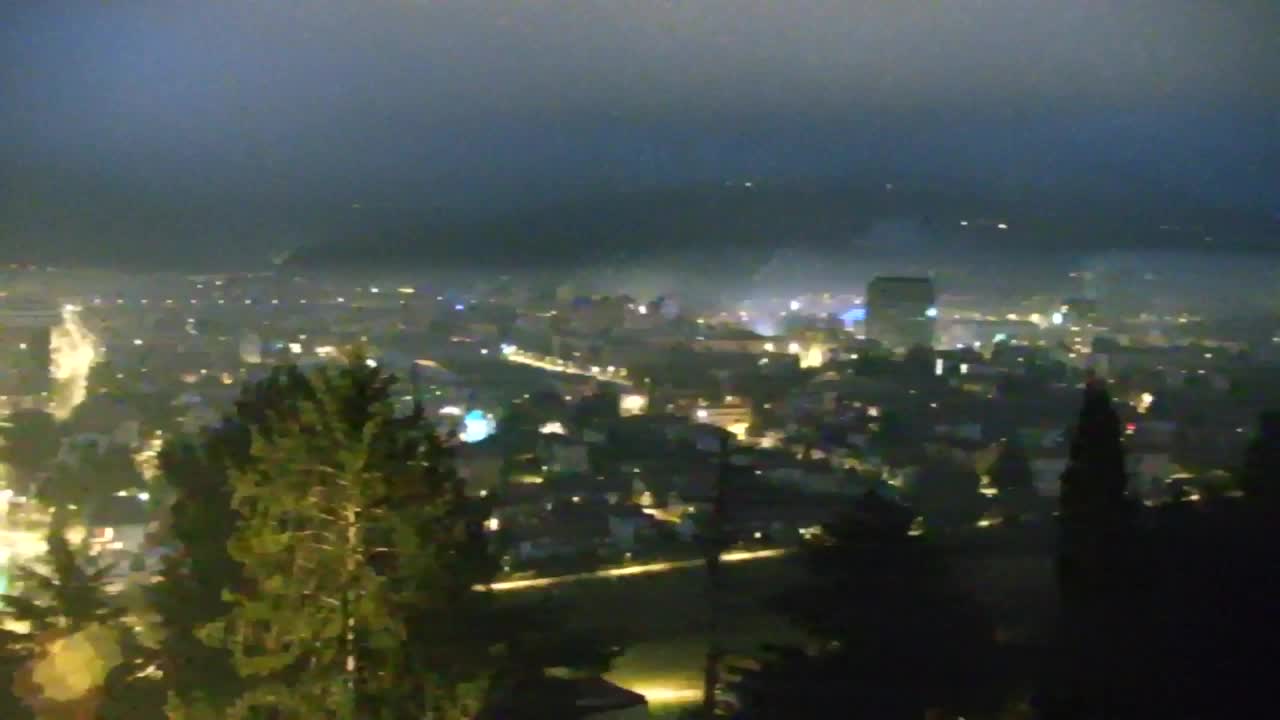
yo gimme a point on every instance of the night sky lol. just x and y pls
(154, 123)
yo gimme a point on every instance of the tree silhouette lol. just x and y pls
(945, 492)
(892, 636)
(69, 596)
(1012, 476)
(80, 657)
(919, 362)
(360, 555)
(89, 480)
(1099, 570)
(1095, 480)
(1260, 476)
(31, 440)
(198, 470)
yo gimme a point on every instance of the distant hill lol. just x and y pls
(740, 224)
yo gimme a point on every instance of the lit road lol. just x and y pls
(629, 570)
(665, 662)
(568, 367)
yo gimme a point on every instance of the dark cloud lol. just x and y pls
(341, 100)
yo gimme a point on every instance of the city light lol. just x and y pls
(629, 570)
(1057, 318)
(632, 404)
(476, 426)
(931, 312)
(73, 351)
(662, 695)
(1144, 402)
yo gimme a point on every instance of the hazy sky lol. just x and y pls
(305, 101)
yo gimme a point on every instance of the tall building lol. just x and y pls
(901, 311)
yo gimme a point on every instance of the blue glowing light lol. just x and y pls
(476, 426)
(854, 316)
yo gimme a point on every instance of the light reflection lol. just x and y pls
(629, 570)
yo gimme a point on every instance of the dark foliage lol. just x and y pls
(190, 593)
(31, 440)
(945, 492)
(1260, 476)
(892, 636)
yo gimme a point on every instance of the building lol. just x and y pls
(901, 311)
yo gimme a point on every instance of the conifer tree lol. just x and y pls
(1260, 477)
(1099, 571)
(202, 680)
(359, 556)
(81, 658)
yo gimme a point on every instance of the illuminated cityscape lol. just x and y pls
(628, 361)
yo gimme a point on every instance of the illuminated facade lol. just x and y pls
(901, 311)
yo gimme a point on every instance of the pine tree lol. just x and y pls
(1260, 476)
(68, 597)
(360, 558)
(202, 680)
(81, 658)
(1099, 571)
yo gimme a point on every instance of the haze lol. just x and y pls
(158, 123)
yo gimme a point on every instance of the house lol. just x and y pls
(629, 526)
(560, 454)
(808, 476)
(565, 530)
(118, 523)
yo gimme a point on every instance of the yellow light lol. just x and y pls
(661, 695)
(530, 583)
(552, 428)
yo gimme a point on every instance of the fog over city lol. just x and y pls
(750, 359)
